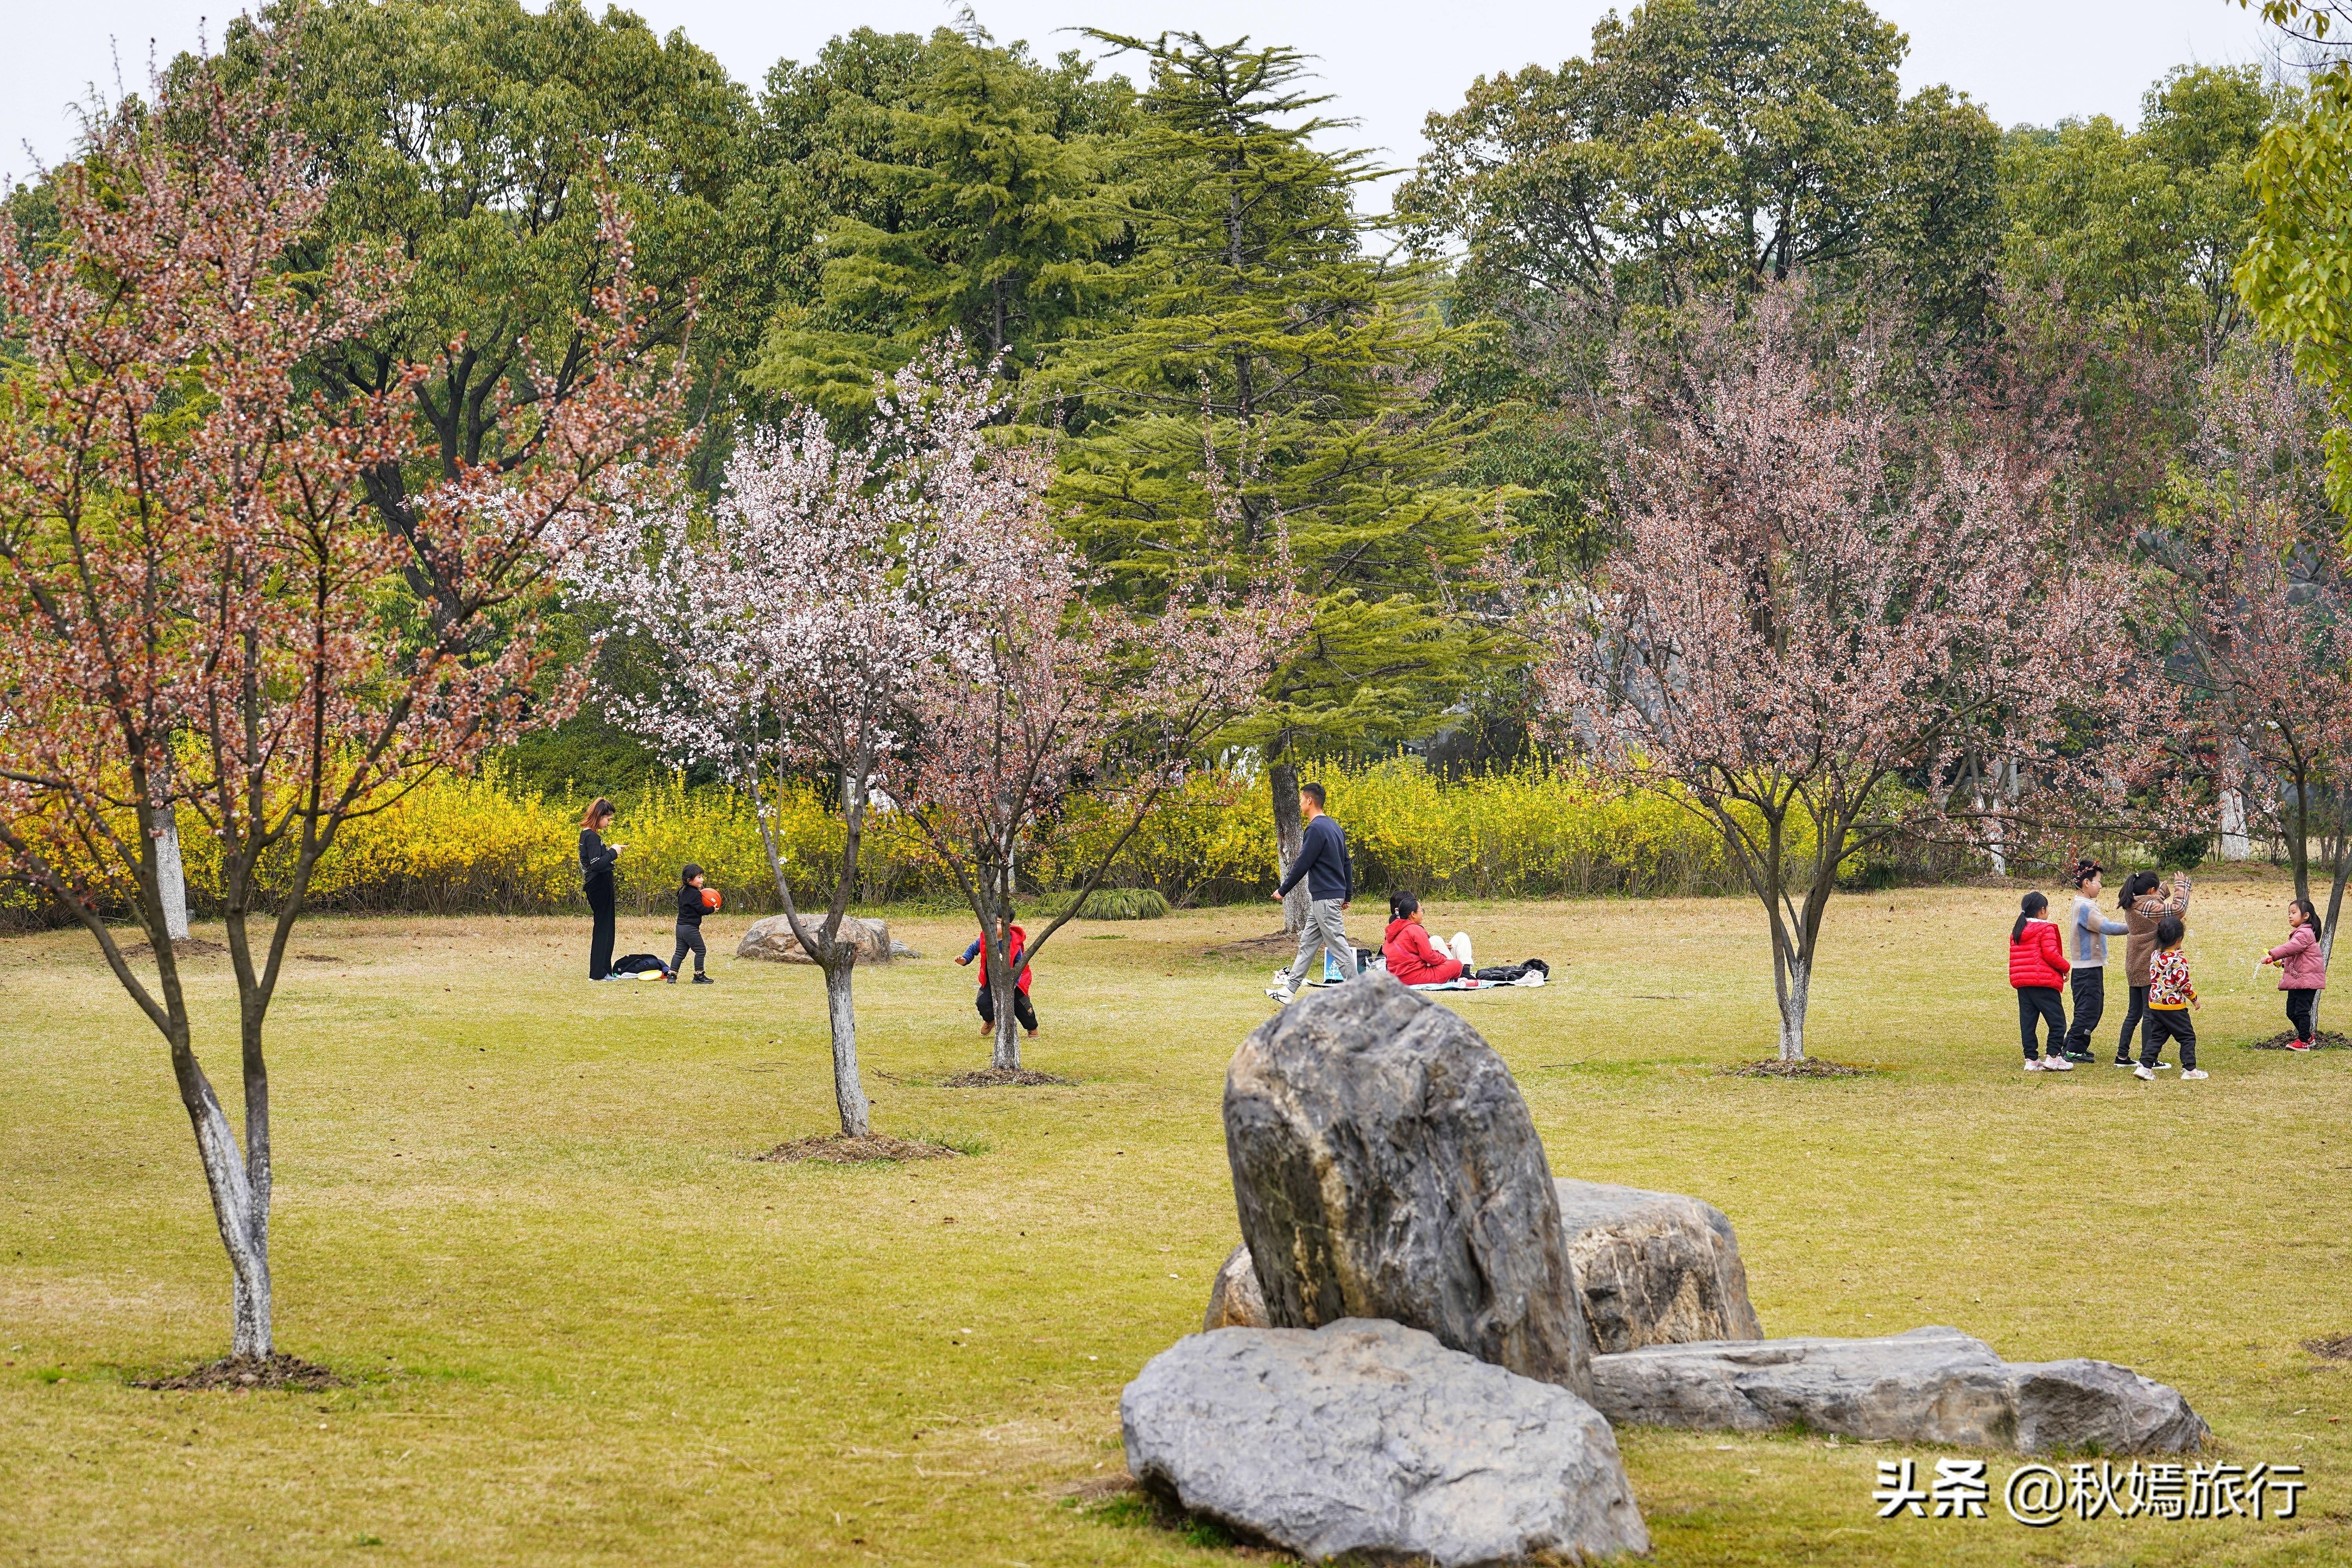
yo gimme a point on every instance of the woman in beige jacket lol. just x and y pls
(2143, 906)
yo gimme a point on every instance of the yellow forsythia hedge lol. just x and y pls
(484, 842)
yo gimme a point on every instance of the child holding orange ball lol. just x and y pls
(694, 901)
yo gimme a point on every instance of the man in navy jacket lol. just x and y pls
(1330, 883)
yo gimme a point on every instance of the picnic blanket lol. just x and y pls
(1534, 972)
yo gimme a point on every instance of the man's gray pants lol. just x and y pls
(1325, 927)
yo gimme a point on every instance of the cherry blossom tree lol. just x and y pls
(1814, 617)
(197, 610)
(1053, 695)
(2265, 618)
(797, 622)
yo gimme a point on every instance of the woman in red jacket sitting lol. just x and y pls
(2037, 967)
(1412, 955)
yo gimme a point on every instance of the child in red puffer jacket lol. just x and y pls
(2037, 967)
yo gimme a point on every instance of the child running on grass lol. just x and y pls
(2037, 967)
(1016, 940)
(2169, 998)
(691, 907)
(2302, 970)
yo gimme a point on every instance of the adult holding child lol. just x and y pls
(596, 858)
(2144, 907)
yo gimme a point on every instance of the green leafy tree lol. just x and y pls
(953, 185)
(2296, 274)
(1262, 400)
(1706, 143)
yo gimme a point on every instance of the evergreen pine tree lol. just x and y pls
(1262, 399)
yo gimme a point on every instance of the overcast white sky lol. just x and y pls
(1389, 63)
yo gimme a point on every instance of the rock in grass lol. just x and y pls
(1930, 1385)
(771, 937)
(1234, 1300)
(1384, 1166)
(1373, 1438)
(1653, 1269)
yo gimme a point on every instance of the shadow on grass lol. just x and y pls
(1123, 1505)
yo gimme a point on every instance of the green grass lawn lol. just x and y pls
(582, 1325)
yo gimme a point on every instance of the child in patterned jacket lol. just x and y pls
(2169, 998)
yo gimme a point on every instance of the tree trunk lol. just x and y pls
(855, 1118)
(1003, 985)
(1289, 839)
(1795, 988)
(2236, 844)
(238, 1210)
(172, 877)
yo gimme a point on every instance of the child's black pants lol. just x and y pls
(2090, 988)
(1021, 1009)
(2132, 1017)
(690, 940)
(2041, 1002)
(2302, 1007)
(2163, 1023)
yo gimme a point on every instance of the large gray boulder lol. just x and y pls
(1384, 1166)
(1654, 1268)
(1373, 1438)
(771, 937)
(1930, 1385)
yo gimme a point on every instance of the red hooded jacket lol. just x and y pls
(1414, 957)
(2038, 957)
(1016, 942)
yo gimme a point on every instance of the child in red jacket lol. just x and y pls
(2037, 967)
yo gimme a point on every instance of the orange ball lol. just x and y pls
(709, 897)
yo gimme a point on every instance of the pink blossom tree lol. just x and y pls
(197, 610)
(1814, 618)
(798, 622)
(1053, 695)
(2263, 618)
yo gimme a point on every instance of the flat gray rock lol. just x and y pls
(1654, 1268)
(771, 937)
(1384, 1166)
(1930, 1385)
(1373, 1438)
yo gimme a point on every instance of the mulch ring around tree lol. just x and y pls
(1807, 1067)
(1003, 1078)
(1281, 943)
(834, 1149)
(2337, 1349)
(278, 1370)
(2321, 1040)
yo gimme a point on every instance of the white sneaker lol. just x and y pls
(2143, 1072)
(2057, 1064)
(2193, 1072)
(2164, 1066)
(1282, 993)
(2032, 1063)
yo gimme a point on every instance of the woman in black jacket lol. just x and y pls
(596, 858)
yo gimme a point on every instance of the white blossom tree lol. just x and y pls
(798, 620)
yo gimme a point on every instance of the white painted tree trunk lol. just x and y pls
(172, 879)
(1793, 1011)
(2237, 843)
(242, 1216)
(1002, 991)
(849, 1095)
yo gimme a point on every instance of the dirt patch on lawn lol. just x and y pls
(1003, 1078)
(2337, 1349)
(2321, 1040)
(276, 1371)
(187, 947)
(837, 1150)
(1811, 1067)
(1281, 942)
